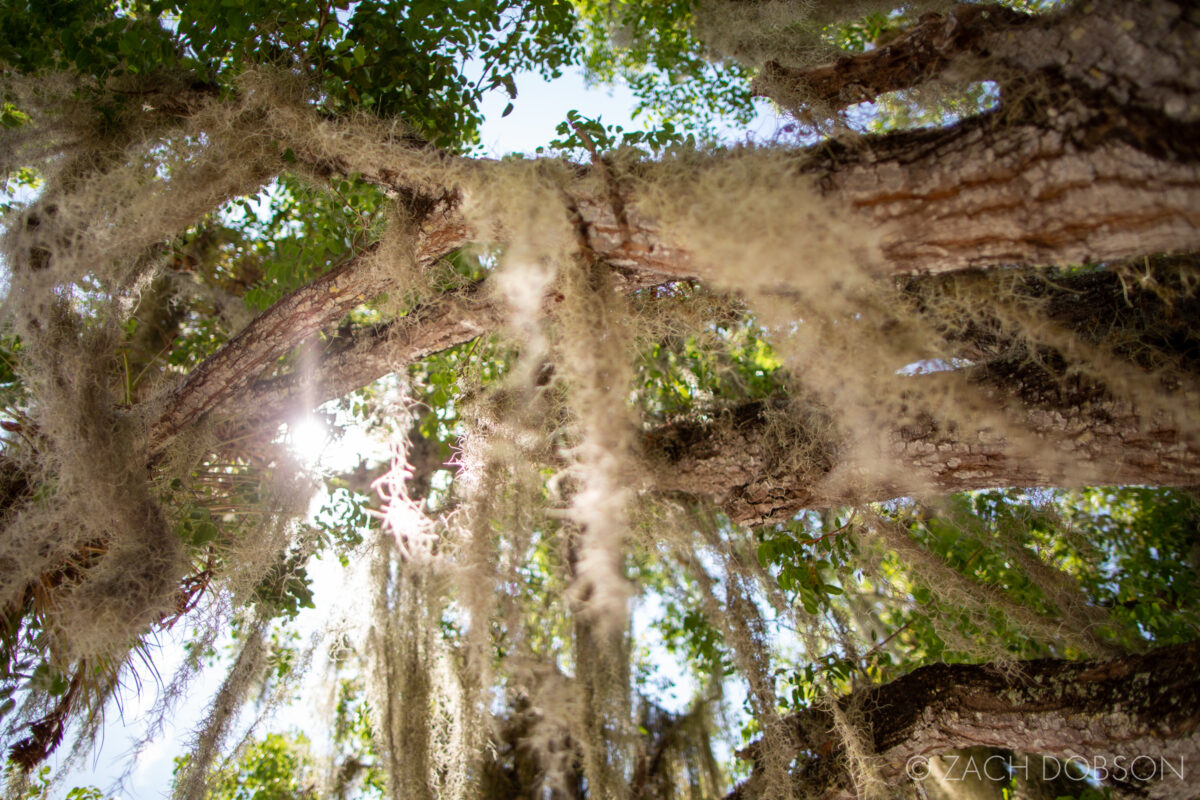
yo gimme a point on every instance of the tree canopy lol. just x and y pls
(828, 465)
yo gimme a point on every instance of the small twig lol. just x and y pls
(882, 644)
(467, 357)
(843, 529)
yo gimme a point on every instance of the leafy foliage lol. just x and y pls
(275, 768)
(651, 47)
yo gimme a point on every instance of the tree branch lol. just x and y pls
(224, 377)
(761, 465)
(920, 53)
(1107, 713)
(978, 195)
(1078, 179)
(1134, 55)
(357, 358)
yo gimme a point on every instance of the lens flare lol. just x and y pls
(309, 439)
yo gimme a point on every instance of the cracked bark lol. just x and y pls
(1106, 712)
(735, 462)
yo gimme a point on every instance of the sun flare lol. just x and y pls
(309, 440)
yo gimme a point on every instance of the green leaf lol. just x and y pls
(203, 533)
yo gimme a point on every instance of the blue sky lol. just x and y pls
(540, 106)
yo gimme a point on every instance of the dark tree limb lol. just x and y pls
(920, 53)
(758, 475)
(764, 461)
(1105, 712)
(1128, 54)
(1144, 311)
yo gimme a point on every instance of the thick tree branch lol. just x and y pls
(1078, 177)
(986, 194)
(1074, 186)
(1096, 161)
(975, 196)
(1108, 713)
(761, 466)
(1099, 161)
(762, 463)
(1144, 311)
(224, 377)
(357, 358)
(1131, 54)
(918, 54)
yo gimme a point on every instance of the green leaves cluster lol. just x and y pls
(90, 37)
(40, 786)
(650, 46)
(295, 232)
(276, 767)
(699, 374)
(406, 58)
(394, 58)
(1130, 551)
(582, 136)
(1135, 550)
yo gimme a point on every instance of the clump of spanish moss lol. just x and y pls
(96, 553)
(243, 676)
(791, 32)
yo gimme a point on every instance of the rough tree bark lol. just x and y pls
(919, 54)
(1064, 430)
(1110, 714)
(224, 378)
(734, 461)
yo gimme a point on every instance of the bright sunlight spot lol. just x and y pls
(308, 439)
